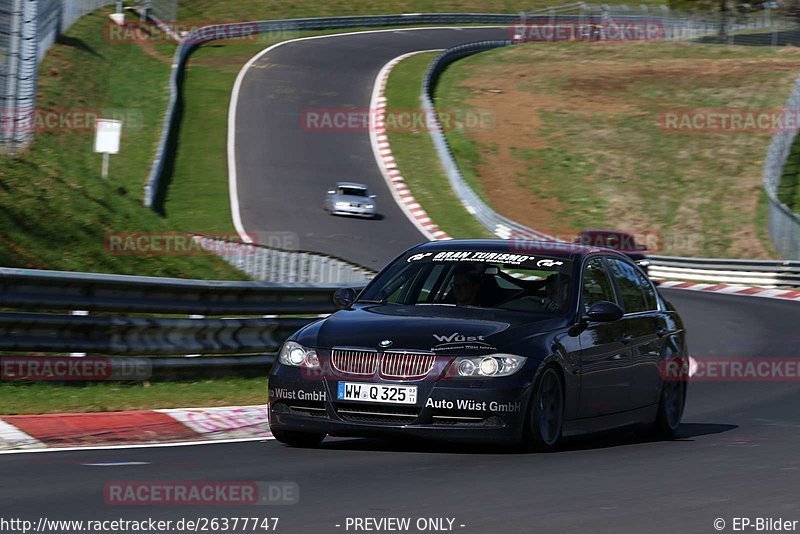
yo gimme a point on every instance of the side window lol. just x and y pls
(596, 284)
(649, 291)
(637, 293)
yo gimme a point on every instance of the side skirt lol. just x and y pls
(607, 422)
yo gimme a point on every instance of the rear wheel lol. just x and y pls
(298, 439)
(546, 413)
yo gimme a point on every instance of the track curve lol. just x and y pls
(735, 457)
(284, 169)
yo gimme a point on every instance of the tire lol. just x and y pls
(670, 409)
(305, 440)
(546, 413)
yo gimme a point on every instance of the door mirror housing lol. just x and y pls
(331, 191)
(344, 297)
(373, 196)
(604, 312)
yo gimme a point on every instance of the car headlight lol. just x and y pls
(490, 365)
(369, 206)
(341, 205)
(296, 355)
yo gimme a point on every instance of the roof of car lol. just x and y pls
(351, 184)
(514, 246)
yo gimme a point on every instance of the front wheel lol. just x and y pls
(546, 413)
(292, 438)
(670, 409)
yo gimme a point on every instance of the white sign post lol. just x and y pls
(106, 140)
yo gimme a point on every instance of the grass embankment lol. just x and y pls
(582, 138)
(55, 208)
(789, 188)
(106, 397)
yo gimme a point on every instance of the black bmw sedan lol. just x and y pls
(491, 341)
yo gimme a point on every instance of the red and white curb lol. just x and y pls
(785, 294)
(170, 426)
(383, 155)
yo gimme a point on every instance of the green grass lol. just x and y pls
(107, 397)
(197, 198)
(55, 208)
(416, 156)
(789, 188)
(586, 147)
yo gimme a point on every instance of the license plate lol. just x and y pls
(361, 391)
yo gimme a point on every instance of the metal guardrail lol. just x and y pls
(38, 332)
(765, 273)
(784, 225)
(31, 323)
(56, 290)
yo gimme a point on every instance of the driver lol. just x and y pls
(466, 284)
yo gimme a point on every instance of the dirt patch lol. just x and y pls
(602, 117)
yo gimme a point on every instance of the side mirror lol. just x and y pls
(605, 312)
(344, 297)
(331, 191)
(373, 196)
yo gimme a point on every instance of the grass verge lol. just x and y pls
(107, 397)
(581, 139)
(55, 209)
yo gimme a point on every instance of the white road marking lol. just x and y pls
(137, 446)
(11, 436)
(114, 464)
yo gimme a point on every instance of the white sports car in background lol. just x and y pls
(350, 198)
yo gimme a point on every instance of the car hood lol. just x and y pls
(442, 329)
(353, 198)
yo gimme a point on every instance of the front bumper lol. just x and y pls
(482, 410)
(355, 212)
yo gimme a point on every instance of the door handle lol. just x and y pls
(627, 338)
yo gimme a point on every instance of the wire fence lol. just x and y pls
(28, 28)
(286, 266)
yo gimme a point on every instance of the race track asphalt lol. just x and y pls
(737, 456)
(285, 166)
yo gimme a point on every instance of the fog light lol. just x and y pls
(489, 366)
(466, 368)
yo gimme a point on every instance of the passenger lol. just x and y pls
(554, 294)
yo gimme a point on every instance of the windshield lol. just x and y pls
(353, 191)
(529, 284)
